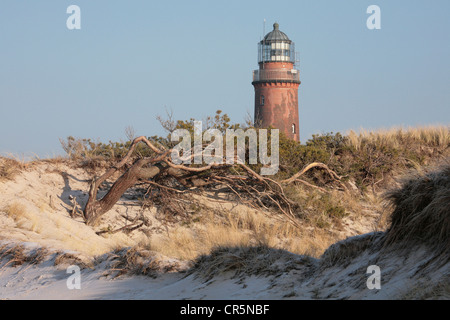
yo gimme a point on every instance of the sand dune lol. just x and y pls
(39, 241)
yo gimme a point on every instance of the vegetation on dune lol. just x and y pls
(325, 180)
(9, 168)
(358, 163)
(421, 208)
(369, 159)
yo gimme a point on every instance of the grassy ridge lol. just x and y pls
(367, 158)
(367, 162)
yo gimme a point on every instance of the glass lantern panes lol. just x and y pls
(276, 51)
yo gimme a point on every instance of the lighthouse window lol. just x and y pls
(262, 100)
(293, 128)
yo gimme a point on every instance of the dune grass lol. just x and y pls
(398, 137)
(421, 208)
(238, 229)
(10, 167)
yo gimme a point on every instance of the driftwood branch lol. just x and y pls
(245, 183)
(332, 174)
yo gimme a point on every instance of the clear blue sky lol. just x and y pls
(133, 59)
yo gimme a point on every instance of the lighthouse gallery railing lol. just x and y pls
(277, 75)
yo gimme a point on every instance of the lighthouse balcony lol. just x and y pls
(276, 75)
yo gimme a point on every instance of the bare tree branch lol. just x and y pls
(249, 187)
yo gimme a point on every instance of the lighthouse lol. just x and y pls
(276, 84)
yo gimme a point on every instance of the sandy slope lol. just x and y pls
(402, 277)
(43, 191)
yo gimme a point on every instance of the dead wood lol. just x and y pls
(170, 179)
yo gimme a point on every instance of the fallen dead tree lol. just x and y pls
(160, 172)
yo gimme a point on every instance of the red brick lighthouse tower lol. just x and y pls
(276, 84)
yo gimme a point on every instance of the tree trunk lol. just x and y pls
(96, 208)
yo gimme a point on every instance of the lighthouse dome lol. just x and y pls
(276, 35)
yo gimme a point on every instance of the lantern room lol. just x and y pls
(276, 46)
